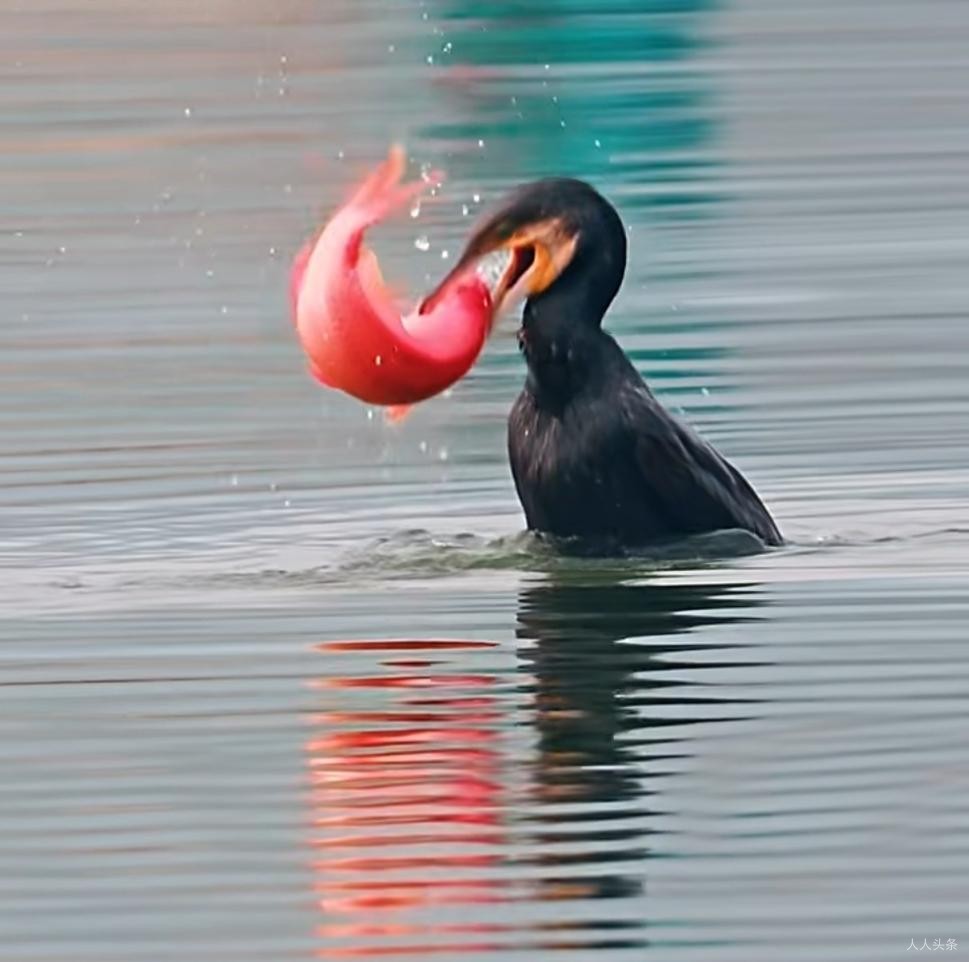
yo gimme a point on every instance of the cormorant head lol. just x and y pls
(563, 243)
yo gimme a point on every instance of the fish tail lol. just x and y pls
(383, 192)
(396, 413)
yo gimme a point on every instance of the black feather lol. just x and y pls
(592, 452)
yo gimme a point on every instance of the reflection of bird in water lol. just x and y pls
(442, 824)
(593, 452)
(601, 705)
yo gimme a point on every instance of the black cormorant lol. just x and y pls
(593, 453)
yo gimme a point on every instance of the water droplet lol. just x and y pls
(561, 123)
(369, 414)
(224, 309)
(61, 250)
(188, 111)
(465, 210)
(283, 60)
(705, 391)
(287, 188)
(391, 48)
(273, 486)
(444, 255)
(422, 447)
(339, 155)
(287, 503)
(422, 243)
(210, 273)
(597, 142)
(234, 481)
(272, 251)
(415, 210)
(476, 198)
(546, 66)
(429, 58)
(442, 454)
(448, 47)
(481, 143)
(378, 360)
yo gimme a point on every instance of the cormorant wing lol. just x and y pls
(685, 477)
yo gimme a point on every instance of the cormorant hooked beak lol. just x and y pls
(537, 246)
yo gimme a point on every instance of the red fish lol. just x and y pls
(348, 324)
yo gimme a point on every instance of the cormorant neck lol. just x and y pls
(586, 288)
(560, 338)
(571, 300)
(561, 334)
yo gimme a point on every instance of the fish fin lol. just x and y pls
(396, 413)
(386, 176)
(372, 281)
(368, 269)
(382, 191)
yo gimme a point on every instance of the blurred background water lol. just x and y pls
(279, 680)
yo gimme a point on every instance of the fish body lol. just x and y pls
(348, 323)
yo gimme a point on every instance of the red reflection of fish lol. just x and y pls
(348, 324)
(406, 793)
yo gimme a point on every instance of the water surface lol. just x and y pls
(283, 681)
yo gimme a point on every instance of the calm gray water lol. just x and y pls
(280, 681)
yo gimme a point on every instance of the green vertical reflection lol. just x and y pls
(609, 92)
(617, 93)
